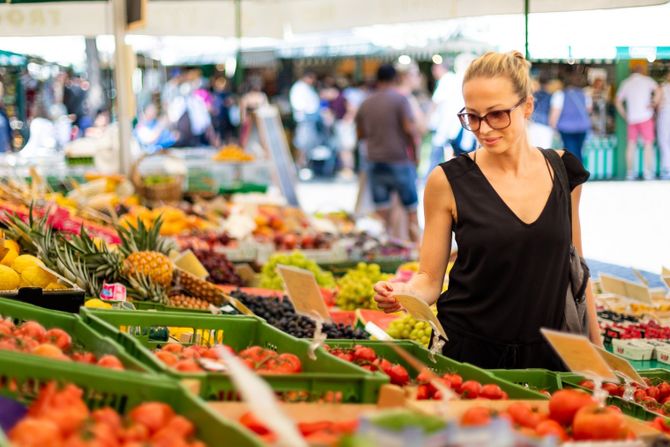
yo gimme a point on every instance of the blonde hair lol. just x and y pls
(512, 65)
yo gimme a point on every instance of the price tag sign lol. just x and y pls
(580, 355)
(246, 273)
(377, 332)
(304, 292)
(625, 288)
(420, 310)
(189, 262)
(621, 366)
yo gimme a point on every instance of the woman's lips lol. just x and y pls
(491, 141)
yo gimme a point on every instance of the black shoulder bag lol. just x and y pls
(576, 316)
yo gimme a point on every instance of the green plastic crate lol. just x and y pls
(533, 379)
(122, 390)
(441, 365)
(82, 335)
(319, 377)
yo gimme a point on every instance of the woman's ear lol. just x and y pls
(529, 106)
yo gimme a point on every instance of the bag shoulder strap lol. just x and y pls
(559, 170)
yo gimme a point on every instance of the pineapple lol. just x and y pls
(152, 264)
(199, 287)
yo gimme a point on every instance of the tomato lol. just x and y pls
(173, 347)
(179, 424)
(108, 416)
(491, 391)
(587, 384)
(423, 392)
(661, 424)
(59, 338)
(364, 354)
(348, 356)
(308, 428)
(524, 415)
(110, 361)
(564, 404)
(8, 344)
(664, 390)
(470, 389)
(190, 353)
(399, 375)
(187, 365)
(84, 357)
(135, 432)
(476, 416)
(384, 365)
(639, 395)
(33, 432)
(455, 381)
(551, 428)
(26, 344)
(653, 392)
(152, 415)
(594, 423)
(348, 426)
(48, 350)
(650, 403)
(292, 360)
(612, 389)
(31, 329)
(166, 357)
(423, 377)
(254, 424)
(211, 353)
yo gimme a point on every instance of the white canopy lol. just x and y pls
(267, 18)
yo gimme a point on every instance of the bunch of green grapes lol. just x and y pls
(355, 288)
(407, 327)
(270, 279)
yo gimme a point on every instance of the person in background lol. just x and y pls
(409, 81)
(74, 99)
(438, 117)
(541, 134)
(253, 99)
(345, 127)
(512, 224)
(664, 127)
(641, 95)
(385, 122)
(62, 124)
(223, 101)
(598, 92)
(570, 115)
(100, 124)
(152, 131)
(42, 139)
(305, 103)
(5, 128)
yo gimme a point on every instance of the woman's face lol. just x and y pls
(485, 95)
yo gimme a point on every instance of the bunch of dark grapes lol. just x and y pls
(282, 315)
(221, 270)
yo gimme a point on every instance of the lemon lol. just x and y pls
(9, 279)
(55, 286)
(22, 262)
(9, 257)
(12, 245)
(36, 276)
(97, 303)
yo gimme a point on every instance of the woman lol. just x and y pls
(505, 205)
(663, 128)
(252, 100)
(409, 81)
(570, 115)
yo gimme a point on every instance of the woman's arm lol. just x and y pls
(594, 328)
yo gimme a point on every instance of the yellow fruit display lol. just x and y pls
(9, 279)
(12, 245)
(233, 153)
(22, 262)
(155, 265)
(37, 277)
(97, 303)
(55, 286)
(9, 256)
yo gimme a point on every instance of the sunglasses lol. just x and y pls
(496, 119)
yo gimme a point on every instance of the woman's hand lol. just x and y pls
(383, 295)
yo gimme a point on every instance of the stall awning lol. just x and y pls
(10, 59)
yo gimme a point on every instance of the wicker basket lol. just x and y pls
(168, 192)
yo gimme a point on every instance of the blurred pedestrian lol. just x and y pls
(541, 134)
(408, 82)
(570, 115)
(385, 122)
(152, 131)
(305, 103)
(5, 129)
(664, 127)
(636, 99)
(253, 99)
(221, 109)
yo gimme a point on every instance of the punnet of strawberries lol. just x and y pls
(367, 358)
(55, 343)
(198, 358)
(60, 418)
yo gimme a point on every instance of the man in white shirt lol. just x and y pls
(305, 103)
(641, 95)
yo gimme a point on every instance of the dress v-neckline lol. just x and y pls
(502, 201)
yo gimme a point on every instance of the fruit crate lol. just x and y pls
(538, 380)
(319, 379)
(62, 300)
(440, 365)
(630, 408)
(82, 335)
(121, 390)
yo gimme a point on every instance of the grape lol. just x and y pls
(407, 327)
(282, 315)
(270, 279)
(221, 270)
(355, 288)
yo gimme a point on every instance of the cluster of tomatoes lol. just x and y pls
(315, 433)
(573, 414)
(200, 358)
(470, 389)
(31, 337)
(60, 418)
(367, 358)
(655, 398)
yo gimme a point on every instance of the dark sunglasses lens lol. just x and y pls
(471, 121)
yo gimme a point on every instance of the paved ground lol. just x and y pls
(623, 223)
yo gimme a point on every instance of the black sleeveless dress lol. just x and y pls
(510, 277)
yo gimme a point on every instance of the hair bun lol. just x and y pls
(518, 55)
